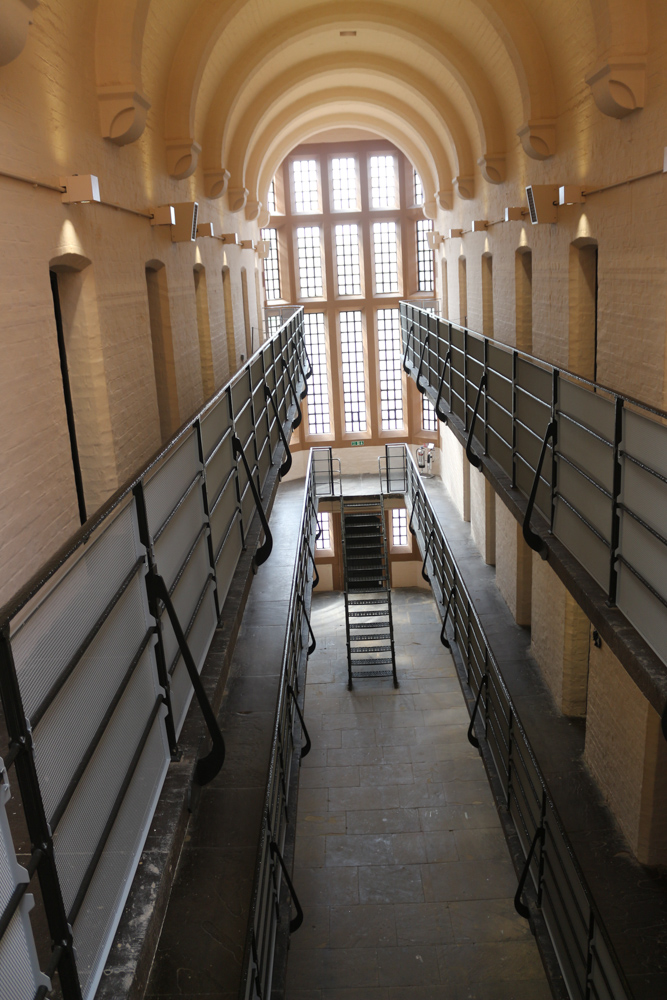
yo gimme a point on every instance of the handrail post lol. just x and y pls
(533, 540)
(306, 748)
(471, 728)
(264, 551)
(287, 463)
(425, 575)
(520, 907)
(470, 455)
(296, 922)
(295, 396)
(316, 575)
(439, 415)
(421, 362)
(616, 492)
(406, 367)
(208, 766)
(443, 636)
(313, 644)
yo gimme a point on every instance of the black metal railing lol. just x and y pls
(592, 461)
(559, 891)
(100, 655)
(265, 915)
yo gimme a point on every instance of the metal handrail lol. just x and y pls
(263, 919)
(264, 551)
(485, 678)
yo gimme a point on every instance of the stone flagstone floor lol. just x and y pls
(401, 865)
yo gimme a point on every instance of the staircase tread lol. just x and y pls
(374, 673)
(371, 663)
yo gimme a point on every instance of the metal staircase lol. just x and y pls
(368, 621)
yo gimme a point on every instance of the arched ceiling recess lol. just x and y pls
(383, 107)
(274, 45)
(525, 51)
(310, 125)
(618, 80)
(340, 70)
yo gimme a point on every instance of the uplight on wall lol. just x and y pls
(454, 233)
(514, 214)
(480, 225)
(205, 229)
(570, 194)
(542, 203)
(231, 238)
(434, 240)
(184, 229)
(247, 244)
(163, 215)
(80, 189)
(263, 249)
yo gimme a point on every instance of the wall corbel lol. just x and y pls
(538, 138)
(494, 168)
(619, 85)
(216, 183)
(182, 158)
(445, 200)
(15, 19)
(464, 187)
(252, 209)
(123, 112)
(237, 198)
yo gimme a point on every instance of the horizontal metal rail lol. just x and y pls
(559, 892)
(113, 633)
(589, 461)
(265, 911)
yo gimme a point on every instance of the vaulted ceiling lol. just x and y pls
(456, 84)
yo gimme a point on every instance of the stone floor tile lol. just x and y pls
(468, 792)
(313, 800)
(326, 886)
(314, 931)
(408, 965)
(402, 718)
(481, 845)
(421, 794)
(383, 821)
(384, 797)
(358, 738)
(391, 884)
(367, 993)
(311, 824)
(423, 923)
(441, 846)
(490, 962)
(363, 926)
(364, 849)
(408, 849)
(309, 851)
(329, 777)
(386, 774)
(350, 756)
(469, 880)
(487, 920)
(458, 817)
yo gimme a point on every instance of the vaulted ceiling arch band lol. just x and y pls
(435, 107)
(401, 135)
(468, 75)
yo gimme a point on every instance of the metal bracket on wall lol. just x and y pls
(305, 749)
(421, 388)
(208, 766)
(471, 728)
(536, 543)
(296, 922)
(297, 400)
(520, 907)
(426, 551)
(470, 455)
(313, 643)
(264, 551)
(287, 463)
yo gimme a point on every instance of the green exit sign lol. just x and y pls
(356, 444)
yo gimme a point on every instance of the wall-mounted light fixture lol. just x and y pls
(570, 194)
(434, 239)
(184, 229)
(205, 229)
(163, 215)
(80, 189)
(542, 203)
(515, 214)
(232, 238)
(247, 244)
(263, 249)
(480, 225)
(454, 233)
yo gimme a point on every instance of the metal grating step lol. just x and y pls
(369, 649)
(369, 614)
(374, 673)
(372, 663)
